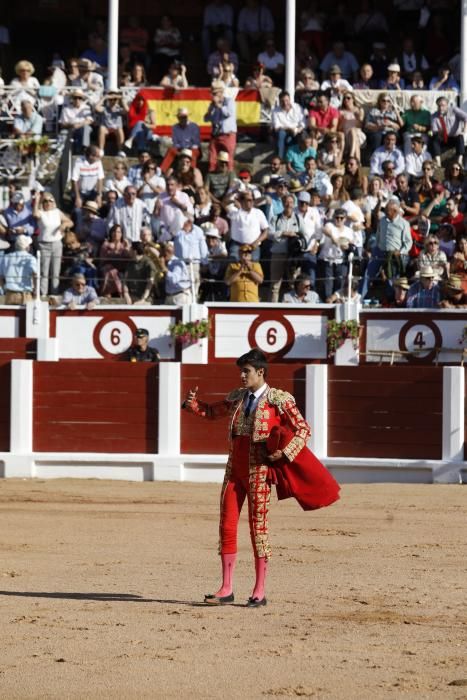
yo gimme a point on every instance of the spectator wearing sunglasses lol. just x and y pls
(302, 292)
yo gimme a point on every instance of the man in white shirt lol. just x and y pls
(272, 60)
(88, 177)
(415, 159)
(248, 225)
(331, 268)
(130, 213)
(288, 120)
(77, 117)
(218, 20)
(172, 209)
(310, 219)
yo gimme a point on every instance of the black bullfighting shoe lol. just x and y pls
(212, 599)
(256, 602)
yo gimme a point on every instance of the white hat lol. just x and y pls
(22, 242)
(212, 231)
(186, 152)
(304, 197)
(427, 271)
(4, 245)
(223, 156)
(395, 67)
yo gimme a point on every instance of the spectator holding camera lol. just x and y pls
(222, 115)
(285, 232)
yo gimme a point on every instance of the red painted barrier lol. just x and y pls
(95, 406)
(215, 381)
(385, 412)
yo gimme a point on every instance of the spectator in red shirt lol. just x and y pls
(454, 216)
(325, 119)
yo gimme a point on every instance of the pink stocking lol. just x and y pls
(228, 567)
(261, 567)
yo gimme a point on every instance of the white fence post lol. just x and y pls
(317, 408)
(169, 408)
(453, 414)
(21, 407)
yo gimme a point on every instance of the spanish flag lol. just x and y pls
(165, 102)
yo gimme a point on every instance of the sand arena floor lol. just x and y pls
(102, 582)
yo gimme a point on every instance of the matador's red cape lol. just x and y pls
(305, 478)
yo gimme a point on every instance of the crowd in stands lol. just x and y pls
(376, 184)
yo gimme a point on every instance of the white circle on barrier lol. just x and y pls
(271, 336)
(420, 337)
(115, 337)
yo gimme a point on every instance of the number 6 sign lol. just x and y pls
(114, 337)
(273, 337)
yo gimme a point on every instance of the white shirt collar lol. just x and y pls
(259, 392)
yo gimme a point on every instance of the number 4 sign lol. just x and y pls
(420, 336)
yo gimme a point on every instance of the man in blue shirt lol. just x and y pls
(177, 277)
(191, 247)
(18, 272)
(29, 122)
(297, 153)
(18, 218)
(424, 294)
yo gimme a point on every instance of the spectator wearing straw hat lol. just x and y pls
(77, 118)
(400, 288)
(112, 110)
(18, 272)
(393, 80)
(426, 292)
(185, 134)
(454, 296)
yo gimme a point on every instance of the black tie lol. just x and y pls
(249, 404)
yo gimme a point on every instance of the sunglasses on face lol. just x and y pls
(339, 217)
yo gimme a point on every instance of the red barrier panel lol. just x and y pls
(10, 349)
(385, 412)
(215, 381)
(95, 406)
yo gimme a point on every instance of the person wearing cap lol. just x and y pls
(79, 294)
(77, 117)
(221, 113)
(426, 292)
(393, 80)
(142, 351)
(87, 177)
(90, 226)
(185, 135)
(297, 153)
(29, 122)
(248, 224)
(400, 288)
(453, 295)
(388, 151)
(287, 122)
(244, 277)
(18, 272)
(448, 126)
(336, 85)
(88, 80)
(213, 287)
(112, 110)
(344, 59)
(18, 218)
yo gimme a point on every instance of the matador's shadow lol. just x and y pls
(110, 597)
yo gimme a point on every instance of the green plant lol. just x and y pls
(32, 146)
(339, 332)
(189, 333)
